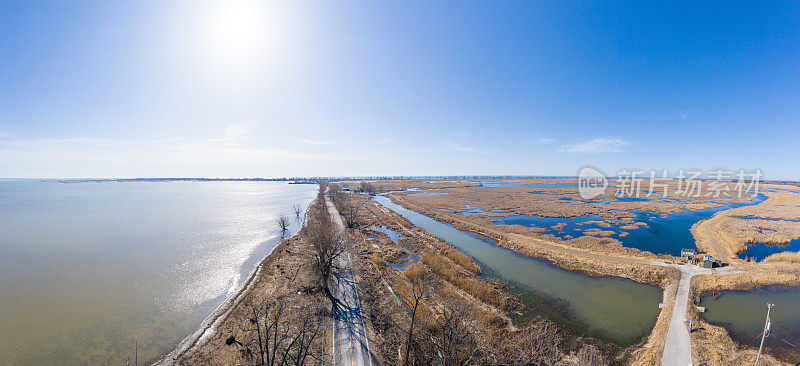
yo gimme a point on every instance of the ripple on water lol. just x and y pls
(120, 262)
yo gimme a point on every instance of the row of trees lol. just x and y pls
(347, 204)
(326, 242)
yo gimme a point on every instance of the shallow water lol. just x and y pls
(88, 269)
(395, 237)
(743, 313)
(533, 185)
(428, 194)
(663, 235)
(610, 308)
(759, 251)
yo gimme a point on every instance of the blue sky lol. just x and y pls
(228, 89)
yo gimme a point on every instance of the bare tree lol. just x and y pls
(412, 302)
(454, 339)
(274, 339)
(283, 223)
(337, 195)
(298, 210)
(326, 243)
(368, 188)
(349, 210)
(323, 186)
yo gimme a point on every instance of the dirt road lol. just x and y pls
(678, 346)
(350, 341)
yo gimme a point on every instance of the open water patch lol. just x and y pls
(663, 234)
(743, 314)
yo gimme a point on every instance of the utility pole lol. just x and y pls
(766, 329)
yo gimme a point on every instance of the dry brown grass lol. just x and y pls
(549, 202)
(761, 231)
(598, 232)
(713, 346)
(462, 279)
(755, 275)
(386, 317)
(592, 255)
(462, 260)
(425, 316)
(785, 257)
(415, 271)
(726, 237)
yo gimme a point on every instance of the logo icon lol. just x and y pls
(591, 183)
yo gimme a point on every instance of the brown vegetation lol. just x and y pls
(784, 257)
(725, 236)
(460, 316)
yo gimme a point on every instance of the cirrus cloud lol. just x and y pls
(598, 145)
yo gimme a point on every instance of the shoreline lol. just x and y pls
(209, 325)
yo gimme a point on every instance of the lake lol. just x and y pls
(89, 269)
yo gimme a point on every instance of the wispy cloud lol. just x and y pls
(308, 141)
(685, 114)
(546, 140)
(238, 132)
(598, 145)
(70, 157)
(452, 146)
(169, 140)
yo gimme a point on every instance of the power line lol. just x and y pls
(767, 325)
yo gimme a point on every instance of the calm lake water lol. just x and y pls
(743, 313)
(759, 251)
(88, 269)
(611, 308)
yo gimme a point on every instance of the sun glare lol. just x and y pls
(240, 35)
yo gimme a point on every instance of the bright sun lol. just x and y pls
(240, 34)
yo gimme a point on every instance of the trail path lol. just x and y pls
(706, 234)
(678, 346)
(350, 342)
